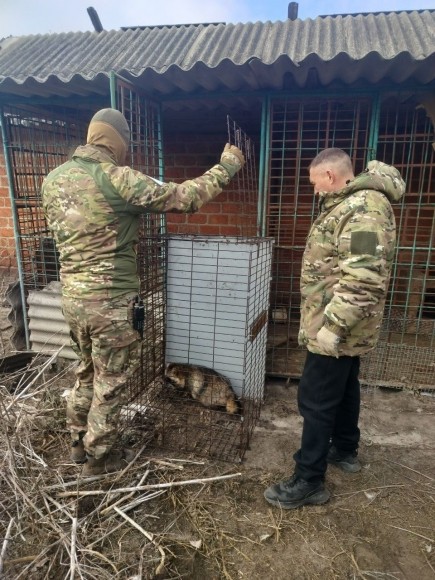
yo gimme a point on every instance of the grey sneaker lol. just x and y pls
(296, 492)
(347, 462)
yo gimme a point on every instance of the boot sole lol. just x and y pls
(318, 498)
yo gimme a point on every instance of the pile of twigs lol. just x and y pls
(57, 524)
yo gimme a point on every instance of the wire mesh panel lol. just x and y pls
(38, 141)
(235, 211)
(143, 117)
(404, 139)
(245, 183)
(403, 358)
(299, 130)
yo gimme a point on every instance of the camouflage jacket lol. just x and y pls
(347, 261)
(92, 208)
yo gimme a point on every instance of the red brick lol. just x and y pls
(225, 196)
(174, 147)
(207, 230)
(230, 231)
(175, 173)
(186, 160)
(5, 212)
(198, 218)
(229, 207)
(242, 219)
(218, 219)
(176, 218)
(188, 229)
(6, 232)
(213, 207)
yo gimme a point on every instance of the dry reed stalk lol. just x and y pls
(5, 543)
(149, 536)
(148, 487)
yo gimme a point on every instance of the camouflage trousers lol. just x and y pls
(102, 335)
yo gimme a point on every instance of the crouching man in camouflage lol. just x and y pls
(345, 273)
(92, 204)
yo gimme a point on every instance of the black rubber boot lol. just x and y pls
(345, 461)
(296, 492)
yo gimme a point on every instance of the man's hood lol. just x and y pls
(381, 177)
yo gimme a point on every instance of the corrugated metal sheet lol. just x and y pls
(48, 327)
(397, 46)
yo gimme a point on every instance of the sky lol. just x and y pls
(21, 17)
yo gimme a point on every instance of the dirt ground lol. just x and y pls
(378, 524)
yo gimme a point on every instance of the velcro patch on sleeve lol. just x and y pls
(363, 243)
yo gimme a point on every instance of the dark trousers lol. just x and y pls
(329, 402)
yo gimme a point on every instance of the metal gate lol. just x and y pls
(365, 127)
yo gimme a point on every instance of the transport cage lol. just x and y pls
(217, 299)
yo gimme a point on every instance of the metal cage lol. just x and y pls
(394, 132)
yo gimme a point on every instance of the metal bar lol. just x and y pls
(374, 128)
(10, 176)
(262, 172)
(112, 86)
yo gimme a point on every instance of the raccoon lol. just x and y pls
(205, 385)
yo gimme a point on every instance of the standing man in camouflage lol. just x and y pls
(92, 204)
(345, 274)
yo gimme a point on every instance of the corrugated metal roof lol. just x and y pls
(397, 46)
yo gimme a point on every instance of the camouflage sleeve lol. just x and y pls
(365, 253)
(187, 197)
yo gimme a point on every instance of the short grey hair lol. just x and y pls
(333, 156)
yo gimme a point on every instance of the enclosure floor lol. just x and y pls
(181, 424)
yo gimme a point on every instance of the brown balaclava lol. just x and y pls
(109, 129)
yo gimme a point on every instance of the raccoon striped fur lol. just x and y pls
(205, 385)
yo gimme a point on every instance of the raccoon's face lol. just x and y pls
(174, 375)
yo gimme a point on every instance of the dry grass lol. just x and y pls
(57, 524)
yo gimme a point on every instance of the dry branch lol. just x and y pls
(73, 548)
(149, 536)
(147, 487)
(5, 543)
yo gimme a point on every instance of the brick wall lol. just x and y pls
(186, 156)
(229, 214)
(7, 242)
